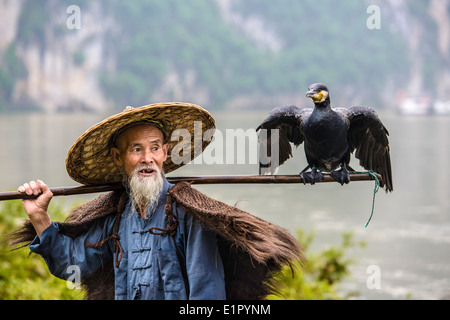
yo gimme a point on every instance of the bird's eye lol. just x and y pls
(319, 90)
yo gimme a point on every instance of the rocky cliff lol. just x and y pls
(49, 62)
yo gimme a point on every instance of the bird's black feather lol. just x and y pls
(287, 120)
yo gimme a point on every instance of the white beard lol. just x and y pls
(145, 191)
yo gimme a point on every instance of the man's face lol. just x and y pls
(140, 146)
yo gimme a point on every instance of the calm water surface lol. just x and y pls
(408, 237)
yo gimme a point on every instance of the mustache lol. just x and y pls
(146, 168)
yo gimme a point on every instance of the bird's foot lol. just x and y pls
(311, 177)
(342, 176)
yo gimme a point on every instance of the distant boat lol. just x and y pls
(441, 107)
(412, 106)
(421, 105)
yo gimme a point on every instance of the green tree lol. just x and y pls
(23, 275)
(318, 277)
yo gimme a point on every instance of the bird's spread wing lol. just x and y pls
(274, 146)
(369, 137)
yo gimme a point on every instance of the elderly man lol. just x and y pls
(162, 249)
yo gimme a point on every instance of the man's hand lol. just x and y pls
(37, 208)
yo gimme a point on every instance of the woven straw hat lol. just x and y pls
(89, 160)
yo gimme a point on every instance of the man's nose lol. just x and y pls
(147, 157)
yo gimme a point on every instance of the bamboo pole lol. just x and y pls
(218, 179)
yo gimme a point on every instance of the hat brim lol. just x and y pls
(89, 160)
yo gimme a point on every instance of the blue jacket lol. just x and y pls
(149, 268)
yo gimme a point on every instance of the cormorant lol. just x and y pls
(329, 135)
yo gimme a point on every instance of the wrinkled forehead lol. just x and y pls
(134, 128)
(138, 132)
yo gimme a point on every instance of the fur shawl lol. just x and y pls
(253, 250)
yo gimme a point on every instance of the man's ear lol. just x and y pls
(166, 149)
(115, 155)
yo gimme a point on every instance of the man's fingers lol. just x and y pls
(26, 188)
(35, 188)
(44, 188)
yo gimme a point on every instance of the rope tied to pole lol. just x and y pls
(375, 190)
(374, 176)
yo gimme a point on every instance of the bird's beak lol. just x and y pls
(315, 96)
(310, 94)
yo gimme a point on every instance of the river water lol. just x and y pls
(407, 239)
